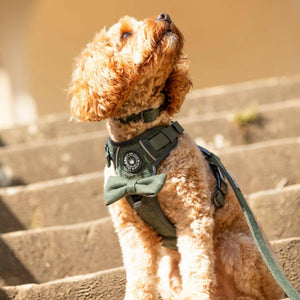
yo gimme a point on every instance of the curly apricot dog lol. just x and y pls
(133, 67)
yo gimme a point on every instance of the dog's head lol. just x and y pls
(119, 60)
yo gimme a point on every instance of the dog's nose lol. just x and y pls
(164, 17)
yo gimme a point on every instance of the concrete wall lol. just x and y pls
(226, 41)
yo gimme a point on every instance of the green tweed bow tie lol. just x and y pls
(118, 187)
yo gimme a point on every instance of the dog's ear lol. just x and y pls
(101, 81)
(177, 86)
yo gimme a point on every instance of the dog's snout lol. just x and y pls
(164, 17)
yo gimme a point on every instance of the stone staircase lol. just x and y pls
(57, 240)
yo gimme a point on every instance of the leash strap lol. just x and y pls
(265, 251)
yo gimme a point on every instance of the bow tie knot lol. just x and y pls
(131, 186)
(118, 187)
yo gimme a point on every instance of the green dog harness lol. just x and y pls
(136, 162)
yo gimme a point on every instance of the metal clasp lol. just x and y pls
(107, 156)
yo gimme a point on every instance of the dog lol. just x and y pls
(132, 67)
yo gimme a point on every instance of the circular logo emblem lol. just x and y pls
(132, 162)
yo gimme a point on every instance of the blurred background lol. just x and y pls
(226, 41)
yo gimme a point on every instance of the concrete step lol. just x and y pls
(28, 163)
(278, 211)
(258, 166)
(223, 98)
(60, 251)
(41, 255)
(264, 166)
(48, 127)
(238, 96)
(288, 253)
(61, 201)
(106, 285)
(110, 284)
(221, 130)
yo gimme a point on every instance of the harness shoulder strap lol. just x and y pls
(218, 197)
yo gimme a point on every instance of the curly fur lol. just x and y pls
(137, 65)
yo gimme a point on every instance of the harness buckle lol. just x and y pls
(223, 187)
(107, 156)
(141, 115)
(221, 183)
(218, 199)
(177, 127)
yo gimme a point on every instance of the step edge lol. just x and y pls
(55, 228)
(75, 278)
(245, 85)
(13, 190)
(259, 145)
(285, 240)
(288, 188)
(229, 114)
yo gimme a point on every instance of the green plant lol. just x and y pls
(246, 116)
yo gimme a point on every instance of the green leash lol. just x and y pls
(266, 253)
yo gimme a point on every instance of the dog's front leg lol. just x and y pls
(141, 250)
(195, 243)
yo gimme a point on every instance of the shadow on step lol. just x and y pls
(3, 295)
(8, 221)
(1, 145)
(12, 271)
(7, 179)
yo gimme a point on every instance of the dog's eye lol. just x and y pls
(126, 34)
